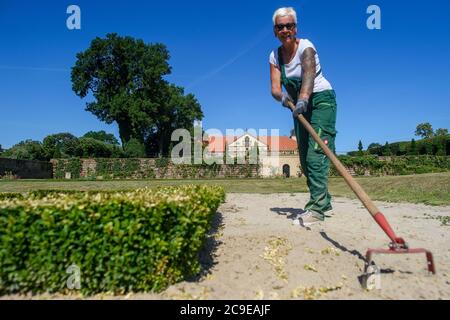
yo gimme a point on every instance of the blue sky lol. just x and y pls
(387, 81)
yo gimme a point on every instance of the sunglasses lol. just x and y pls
(289, 26)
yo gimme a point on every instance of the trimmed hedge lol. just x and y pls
(137, 241)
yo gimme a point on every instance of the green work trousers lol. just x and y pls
(315, 164)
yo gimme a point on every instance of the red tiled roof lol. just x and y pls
(217, 143)
(274, 143)
(283, 144)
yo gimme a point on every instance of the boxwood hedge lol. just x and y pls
(121, 242)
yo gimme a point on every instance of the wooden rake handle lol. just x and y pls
(360, 193)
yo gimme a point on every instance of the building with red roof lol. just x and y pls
(277, 155)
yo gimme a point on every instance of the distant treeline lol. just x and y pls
(437, 146)
(65, 145)
(394, 165)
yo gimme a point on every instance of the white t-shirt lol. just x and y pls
(294, 68)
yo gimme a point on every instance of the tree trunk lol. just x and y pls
(125, 132)
(160, 144)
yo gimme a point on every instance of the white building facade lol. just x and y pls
(277, 155)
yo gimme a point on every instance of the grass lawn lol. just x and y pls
(433, 189)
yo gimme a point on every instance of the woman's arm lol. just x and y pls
(275, 78)
(308, 73)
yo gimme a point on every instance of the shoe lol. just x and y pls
(330, 213)
(296, 218)
(309, 218)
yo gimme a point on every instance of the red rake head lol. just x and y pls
(397, 246)
(394, 248)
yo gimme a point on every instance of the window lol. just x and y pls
(247, 142)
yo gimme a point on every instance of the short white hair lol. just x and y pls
(284, 12)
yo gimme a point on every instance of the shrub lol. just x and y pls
(26, 150)
(102, 136)
(137, 241)
(92, 148)
(134, 149)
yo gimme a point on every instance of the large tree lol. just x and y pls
(175, 111)
(125, 77)
(424, 130)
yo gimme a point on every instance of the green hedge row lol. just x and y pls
(394, 165)
(121, 242)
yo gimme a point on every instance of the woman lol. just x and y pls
(296, 66)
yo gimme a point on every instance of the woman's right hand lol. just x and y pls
(285, 98)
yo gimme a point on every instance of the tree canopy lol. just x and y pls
(26, 150)
(60, 145)
(424, 130)
(102, 136)
(441, 132)
(387, 150)
(374, 145)
(360, 148)
(125, 77)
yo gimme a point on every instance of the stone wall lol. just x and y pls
(26, 169)
(146, 168)
(272, 165)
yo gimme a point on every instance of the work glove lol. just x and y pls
(285, 97)
(301, 107)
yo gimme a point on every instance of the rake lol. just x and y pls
(397, 245)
